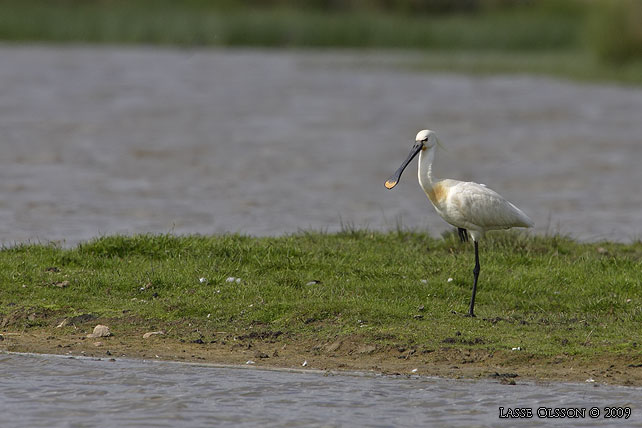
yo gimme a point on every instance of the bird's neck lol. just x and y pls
(426, 158)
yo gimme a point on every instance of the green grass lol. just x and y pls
(545, 294)
(575, 65)
(200, 24)
(598, 40)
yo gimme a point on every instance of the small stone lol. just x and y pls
(589, 380)
(450, 280)
(230, 279)
(152, 333)
(100, 331)
(414, 370)
(203, 280)
(249, 362)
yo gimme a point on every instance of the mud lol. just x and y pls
(349, 354)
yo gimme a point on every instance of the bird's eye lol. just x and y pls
(425, 140)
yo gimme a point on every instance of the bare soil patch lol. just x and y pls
(274, 349)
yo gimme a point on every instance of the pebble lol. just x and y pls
(203, 280)
(100, 331)
(249, 362)
(450, 280)
(233, 279)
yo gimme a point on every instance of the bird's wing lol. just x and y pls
(481, 206)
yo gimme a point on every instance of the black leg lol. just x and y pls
(476, 273)
(463, 234)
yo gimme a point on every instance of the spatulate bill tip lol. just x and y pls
(391, 183)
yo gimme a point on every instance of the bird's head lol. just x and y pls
(425, 139)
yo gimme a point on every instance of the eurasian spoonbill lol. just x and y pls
(466, 205)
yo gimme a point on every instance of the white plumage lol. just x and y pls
(477, 208)
(471, 207)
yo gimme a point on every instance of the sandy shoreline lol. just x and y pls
(347, 355)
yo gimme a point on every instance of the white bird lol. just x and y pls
(466, 205)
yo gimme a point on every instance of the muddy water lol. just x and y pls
(111, 140)
(54, 391)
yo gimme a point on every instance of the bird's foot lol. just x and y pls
(466, 315)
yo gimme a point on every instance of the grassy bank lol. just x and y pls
(582, 40)
(549, 296)
(576, 65)
(199, 23)
(573, 39)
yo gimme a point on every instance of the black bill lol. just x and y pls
(394, 179)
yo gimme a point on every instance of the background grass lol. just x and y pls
(213, 23)
(597, 40)
(545, 294)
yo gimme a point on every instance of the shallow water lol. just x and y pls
(55, 391)
(106, 140)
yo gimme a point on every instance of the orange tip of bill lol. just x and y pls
(390, 184)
